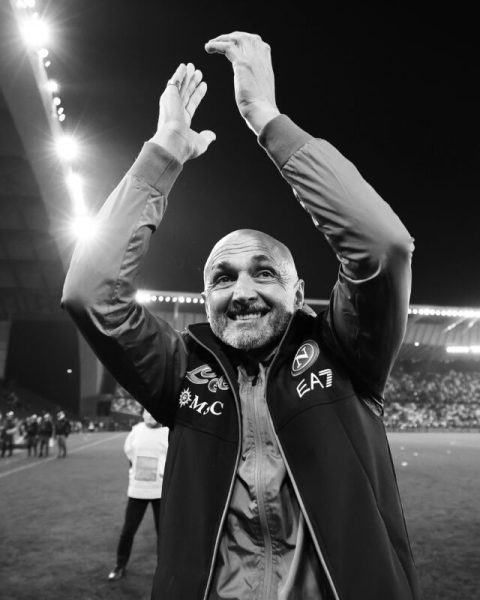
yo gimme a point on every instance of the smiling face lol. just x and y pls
(251, 289)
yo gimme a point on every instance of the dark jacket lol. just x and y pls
(45, 428)
(324, 386)
(63, 427)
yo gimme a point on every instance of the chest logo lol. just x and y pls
(186, 400)
(205, 375)
(323, 379)
(306, 355)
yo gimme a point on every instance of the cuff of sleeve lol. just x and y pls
(281, 138)
(156, 167)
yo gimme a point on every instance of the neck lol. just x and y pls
(250, 359)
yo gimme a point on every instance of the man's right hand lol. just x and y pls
(178, 103)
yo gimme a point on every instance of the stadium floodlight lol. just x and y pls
(141, 296)
(67, 147)
(84, 227)
(26, 3)
(463, 349)
(52, 86)
(35, 32)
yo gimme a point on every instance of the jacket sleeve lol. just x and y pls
(144, 354)
(367, 314)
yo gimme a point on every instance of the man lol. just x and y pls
(31, 434)
(62, 431)
(279, 481)
(9, 429)
(45, 432)
(146, 449)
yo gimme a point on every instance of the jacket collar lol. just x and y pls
(203, 334)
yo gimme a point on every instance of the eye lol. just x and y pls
(225, 278)
(264, 273)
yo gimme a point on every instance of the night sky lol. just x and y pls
(394, 91)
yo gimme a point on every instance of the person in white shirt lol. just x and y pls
(146, 448)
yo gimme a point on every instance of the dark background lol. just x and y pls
(394, 90)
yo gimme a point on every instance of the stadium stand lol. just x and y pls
(423, 396)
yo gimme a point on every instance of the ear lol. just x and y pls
(299, 294)
(207, 307)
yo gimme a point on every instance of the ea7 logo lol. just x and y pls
(323, 378)
(306, 355)
(203, 408)
(204, 374)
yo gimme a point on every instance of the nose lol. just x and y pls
(244, 289)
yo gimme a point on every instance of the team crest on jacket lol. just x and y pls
(306, 355)
(205, 375)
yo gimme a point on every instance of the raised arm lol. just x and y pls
(144, 354)
(366, 319)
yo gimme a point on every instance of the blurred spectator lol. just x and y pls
(45, 432)
(8, 429)
(31, 435)
(62, 431)
(421, 398)
(146, 449)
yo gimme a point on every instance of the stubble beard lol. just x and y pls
(256, 336)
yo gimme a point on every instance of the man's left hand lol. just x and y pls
(253, 75)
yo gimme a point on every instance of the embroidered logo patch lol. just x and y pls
(306, 355)
(185, 400)
(205, 375)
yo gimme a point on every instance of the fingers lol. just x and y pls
(196, 98)
(207, 136)
(220, 47)
(195, 80)
(177, 78)
(234, 36)
(189, 72)
(203, 141)
(188, 82)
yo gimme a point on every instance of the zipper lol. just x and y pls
(237, 460)
(260, 489)
(290, 474)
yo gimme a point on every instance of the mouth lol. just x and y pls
(247, 317)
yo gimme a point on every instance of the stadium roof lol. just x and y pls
(33, 193)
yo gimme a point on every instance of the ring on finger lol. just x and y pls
(177, 84)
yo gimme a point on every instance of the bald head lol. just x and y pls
(251, 241)
(251, 290)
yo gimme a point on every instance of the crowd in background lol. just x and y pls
(432, 396)
(418, 396)
(36, 433)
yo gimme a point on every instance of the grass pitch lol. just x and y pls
(60, 519)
